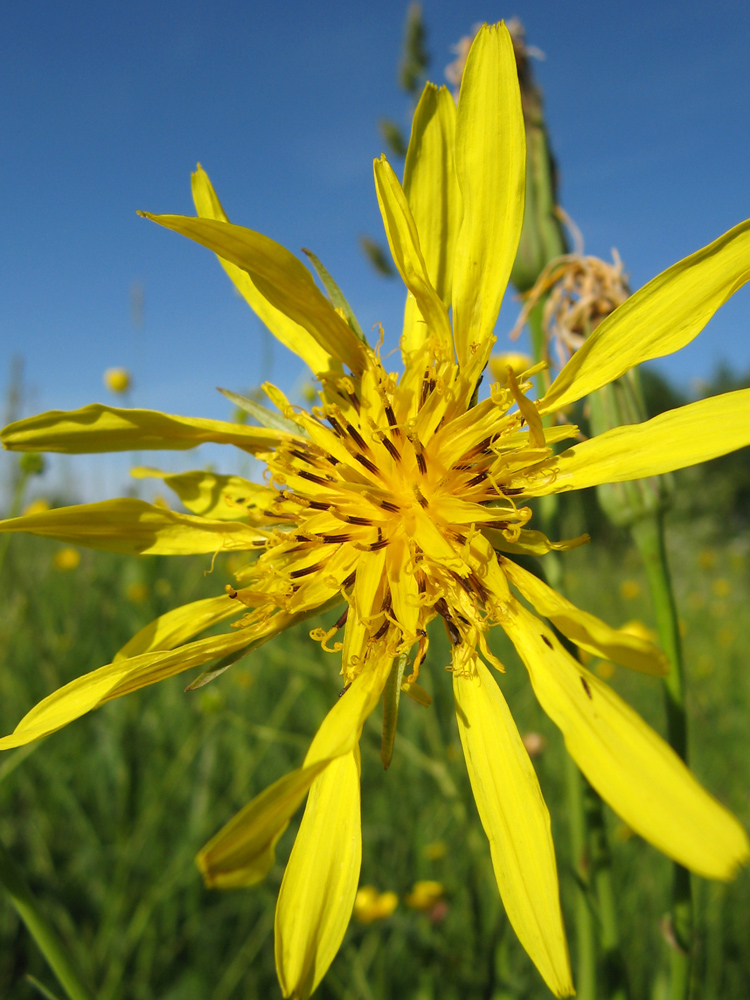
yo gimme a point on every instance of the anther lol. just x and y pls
(356, 437)
(392, 507)
(479, 478)
(295, 574)
(367, 464)
(392, 419)
(418, 494)
(312, 478)
(353, 519)
(334, 539)
(350, 579)
(391, 449)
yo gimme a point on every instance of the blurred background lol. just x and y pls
(107, 110)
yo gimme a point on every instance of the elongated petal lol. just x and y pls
(491, 170)
(225, 498)
(98, 428)
(431, 189)
(180, 625)
(686, 436)
(125, 675)
(291, 334)
(631, 767)
(243, 851)
(134, 527)
(584, 629)
(660, 318)
(403, 240)
(516, 822)
(279, 276)
(320, 882)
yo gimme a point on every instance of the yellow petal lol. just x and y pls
(243, 851)
(225, 498)
(407, 254)
(279, 276)
(99, 428)
(291, 334)
(320, 882)
(660, 318)
(431, 190)
(180, 625)
(584, 629)
(88, 692)
(631, 767)
(516, 822)
(134, 527)
(675, 439)
(491, 170)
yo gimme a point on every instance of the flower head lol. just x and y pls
(117, 380)
(401, 500)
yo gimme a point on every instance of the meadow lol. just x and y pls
(104, 818)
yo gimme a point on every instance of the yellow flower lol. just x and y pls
(424, 895)
(37, 506)
(117, 380)
(66, 559)
(401, 500)
(518, 363)
(630, 589)
(371, 905)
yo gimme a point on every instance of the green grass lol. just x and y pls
(105, 817)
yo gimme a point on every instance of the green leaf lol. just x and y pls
(265, 417)
(337, 296)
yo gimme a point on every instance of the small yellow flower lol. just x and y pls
(630, 590)
(500, 363)
(117, 380)
(37, 506)
(67, 559)
(400, 503)
(424, 895)
(371, 905)
(706, 558)
(640, 631)
(721, 587)
(136, 592)
(436, 850)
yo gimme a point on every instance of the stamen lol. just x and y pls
(381, 544)
(353, 519)
(367, 464)
(356, 437)
(392, 425)
(349, 580)
(387, 505)
(418, 494)
(295, 574)
(312, 478)
(479, 478)
(334, 539)
(391, 449)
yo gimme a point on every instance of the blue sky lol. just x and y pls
(107, 108)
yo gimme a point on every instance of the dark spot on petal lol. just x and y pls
(586, 687)
(546, 641)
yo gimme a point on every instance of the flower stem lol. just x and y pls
(648, 534)
(39, 928)
(584, 916)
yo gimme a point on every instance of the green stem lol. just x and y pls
(648, 534)
(15, 509)
(39, 928)
(614, 983)
(584, 916)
